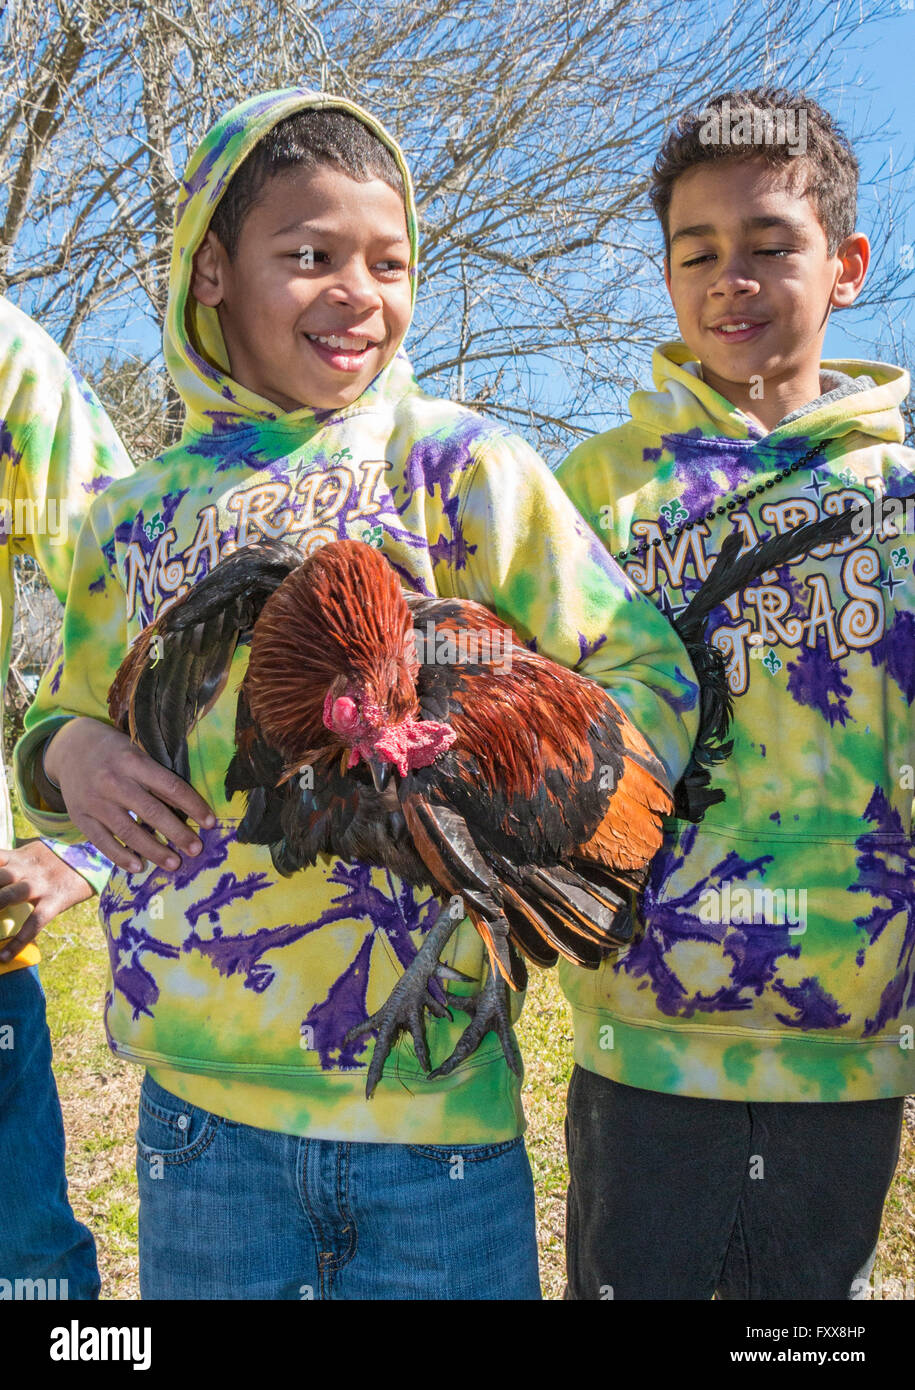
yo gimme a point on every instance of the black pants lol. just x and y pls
(678, 1197)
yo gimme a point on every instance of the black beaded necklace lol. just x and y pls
(739, 498)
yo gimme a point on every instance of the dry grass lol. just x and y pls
(99, 1100)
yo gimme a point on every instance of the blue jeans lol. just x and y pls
(228, 1211)
(40, 1238)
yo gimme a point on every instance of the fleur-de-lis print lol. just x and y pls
(672, 512)
(154, 528)
(373, 535)
(771, 662)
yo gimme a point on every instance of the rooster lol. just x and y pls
(515, 788)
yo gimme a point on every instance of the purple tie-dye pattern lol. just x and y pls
(229, 447)
(81, 856)
(8, 448)
(815, 677)
(99, 585)
(229, 889)
(441, 463)
(134, 893)
(97, 484)
(896, 651)
(668, 921)
(698, 458)
(206, 368)
(688, 700)
(586, 648)
(241, 952)
(170, 503)
(398, 915)
(200, 176)
(886, 869)
(133, 980)
(343, 1008)
(815, 1007)
(56, 679)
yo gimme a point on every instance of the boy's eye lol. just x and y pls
(762, 251)
(391, 267)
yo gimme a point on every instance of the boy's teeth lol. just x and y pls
(345, 343)
(734, 327)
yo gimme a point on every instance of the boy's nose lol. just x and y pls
(735, 277)
(357, 287)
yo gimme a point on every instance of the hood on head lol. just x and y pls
(195, 353)
(681, 394)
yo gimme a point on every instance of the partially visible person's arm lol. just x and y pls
(34, 873)
(65, 452)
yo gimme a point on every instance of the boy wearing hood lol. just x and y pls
(263, 1171)
(745, 1059)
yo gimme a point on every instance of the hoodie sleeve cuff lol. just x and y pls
(51, 824)
(88, 861)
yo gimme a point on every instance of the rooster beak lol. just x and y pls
(380, 773)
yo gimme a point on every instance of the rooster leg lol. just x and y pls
(411, 994)
(489, 1012)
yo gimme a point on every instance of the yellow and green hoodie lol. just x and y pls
(776, 956)
(235, 986)
(58, 451)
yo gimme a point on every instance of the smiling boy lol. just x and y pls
(263, 1171)
(734, 1117)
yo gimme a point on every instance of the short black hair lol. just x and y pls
(752, 123)
(303, 141)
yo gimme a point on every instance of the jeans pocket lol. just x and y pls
(470, 1153)
(171, 1130)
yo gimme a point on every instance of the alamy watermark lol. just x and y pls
(437, 646)
(33, 1290)
(737, 905)
(26, 517)
(722, 126)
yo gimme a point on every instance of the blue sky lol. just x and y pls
(878, 91)
(867, 83)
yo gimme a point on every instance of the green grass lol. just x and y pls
(99, 1100)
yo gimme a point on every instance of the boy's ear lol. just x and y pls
(207, 274)
(854, 254)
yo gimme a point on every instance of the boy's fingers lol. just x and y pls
(156, 816)
(176, 792)
(106, 844)
(18, 892)
(143, 844)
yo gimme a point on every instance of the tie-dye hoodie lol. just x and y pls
(58, 451)
(777, 960)
(237, 986)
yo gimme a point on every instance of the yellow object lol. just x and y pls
(13, 918)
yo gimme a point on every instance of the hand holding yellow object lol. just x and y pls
(49, 885)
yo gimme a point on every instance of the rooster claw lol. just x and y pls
(489, 1012)
(404, 1010)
